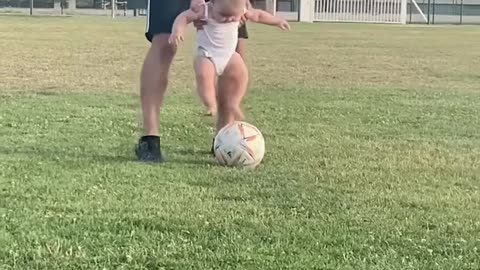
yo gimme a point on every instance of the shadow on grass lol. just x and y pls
(182, 156)
(191, 152)
(69, 154)
(189, 157)
(13, 13)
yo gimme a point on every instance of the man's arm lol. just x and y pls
(181, 23)
(249, 5)
(263, 17)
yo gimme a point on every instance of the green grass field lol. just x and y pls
(373, 141)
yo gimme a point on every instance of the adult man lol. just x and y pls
(155, 71)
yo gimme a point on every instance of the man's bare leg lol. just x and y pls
(242, 47)
(154, 81)
(205, 76)
(153, 85)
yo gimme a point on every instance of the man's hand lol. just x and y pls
(199, 24)
(196, 5)
(243, 20)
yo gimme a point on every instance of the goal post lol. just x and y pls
(113, 4)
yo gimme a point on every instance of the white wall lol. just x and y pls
(307, 10)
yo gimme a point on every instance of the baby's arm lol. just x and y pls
(181, 22)
(263, 17)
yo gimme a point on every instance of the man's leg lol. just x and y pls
(242, 47)
(153, 85)
(205, 76)
(154, 75)
(232, 87)
(242, 40)
(154, 81)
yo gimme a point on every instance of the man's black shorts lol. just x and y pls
(162, 13)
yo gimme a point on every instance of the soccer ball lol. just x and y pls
(239, 144)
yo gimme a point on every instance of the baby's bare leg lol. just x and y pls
(232, 87)
(205, 76)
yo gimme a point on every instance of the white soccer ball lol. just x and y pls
(239, 144)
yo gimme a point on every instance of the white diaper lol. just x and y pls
(220, 62)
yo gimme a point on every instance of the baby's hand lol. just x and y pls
(175, 39)
(283, 25)
(199, 24)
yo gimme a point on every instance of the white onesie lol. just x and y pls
(217, 41)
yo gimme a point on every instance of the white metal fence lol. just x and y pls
(372, 11)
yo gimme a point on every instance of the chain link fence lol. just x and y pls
(418, 11)
(87, 7)
(26, 4)
(444, 11)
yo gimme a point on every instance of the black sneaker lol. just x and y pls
(148, 149)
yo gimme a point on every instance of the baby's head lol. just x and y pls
(229, 10)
